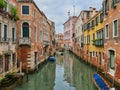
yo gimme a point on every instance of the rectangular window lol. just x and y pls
(88, 14)
(115, 28)
(93, 53)
(13, 34)
(112, 59)
(88, 39)
(0, 32)
(92, 23)
(107, 31)
(93, 36)
(101, 17)
(106, 6)
(35, 34)
(113, 3)
(34, 13)
(96, 20)
(25, 9)
(5, 32)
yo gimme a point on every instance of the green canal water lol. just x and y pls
(66, 73)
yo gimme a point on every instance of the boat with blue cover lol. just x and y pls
(52, 58)
(100, 83)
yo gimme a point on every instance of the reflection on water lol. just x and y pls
(43, 80)
(67, 73)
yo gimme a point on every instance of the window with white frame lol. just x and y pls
(106, 31)
(5, 32)
(13, 34)
(41, 36)
(25, 9)
(115, 28)
(34, 13)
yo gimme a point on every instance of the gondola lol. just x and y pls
(100, 83)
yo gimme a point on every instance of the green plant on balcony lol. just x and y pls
(13, 11)
(3, 4)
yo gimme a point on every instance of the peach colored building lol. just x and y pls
(69, 32)
(59, 38)
(8, 42)
(52, 37)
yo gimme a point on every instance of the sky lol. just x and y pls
(57, 10)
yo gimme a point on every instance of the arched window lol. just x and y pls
(25, 29)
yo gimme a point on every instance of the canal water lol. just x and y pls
(66, 73)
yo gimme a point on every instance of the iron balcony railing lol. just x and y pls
(25, 41)
(98, 42)
(7, 40)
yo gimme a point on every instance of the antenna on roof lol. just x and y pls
(73, 10)
(69, 13)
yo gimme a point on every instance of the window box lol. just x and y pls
(98, 42)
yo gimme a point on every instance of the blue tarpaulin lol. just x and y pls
(52, 58)
(102, 85)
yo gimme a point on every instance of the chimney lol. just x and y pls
(90, 8)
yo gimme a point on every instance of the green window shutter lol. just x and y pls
(107, 28)
(113, 4)
(96, 20)
(115, 28)
(93, 23)
(25, 31)
(101, 17)
(13, 34)
(106, 6)
(5, 32)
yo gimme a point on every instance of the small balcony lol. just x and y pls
(98, 42)
(4, 40)
(24, 41)
(46, 43)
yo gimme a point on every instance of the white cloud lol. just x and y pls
(57, 10)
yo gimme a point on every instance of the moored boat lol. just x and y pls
(100, 83)
(52, 58)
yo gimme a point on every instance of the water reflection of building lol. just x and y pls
(60, 60)
(43, 80)
(81, 79)
(68, 64)
(47, 77)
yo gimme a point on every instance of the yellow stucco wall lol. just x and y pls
(92, 31)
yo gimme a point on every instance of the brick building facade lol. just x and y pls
(112, 37)
(33, 34)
